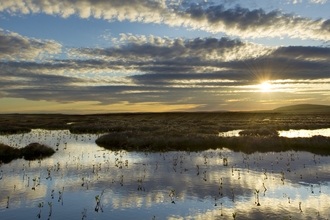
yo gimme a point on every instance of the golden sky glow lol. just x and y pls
(26, 106)
(265, 87)
(152, 56)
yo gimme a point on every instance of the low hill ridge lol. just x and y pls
(304, 108)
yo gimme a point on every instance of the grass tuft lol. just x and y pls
(8, 153)
(36, 151)
(262, 131)
(32, 151)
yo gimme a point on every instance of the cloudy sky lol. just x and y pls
(94, 56)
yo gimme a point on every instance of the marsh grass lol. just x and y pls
(36, 151)
(32, 151)
(183, 131)
(262, 131)
(138, 141)
(250, 144)
(198, 122)
(131, 141)
(14, 130)
(8, 153)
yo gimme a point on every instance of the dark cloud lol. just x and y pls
(201, 57)
(254, 23)
(211, 79)
(326, 25)
(239, 17)
(301, 52)
(171, 49)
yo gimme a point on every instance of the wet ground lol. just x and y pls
(83, 180)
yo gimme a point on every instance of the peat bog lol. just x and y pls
(183, 131)
(164, 166)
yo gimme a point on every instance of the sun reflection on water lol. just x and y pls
(292, 133)
(305, 133)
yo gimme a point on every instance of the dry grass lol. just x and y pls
(187, 123)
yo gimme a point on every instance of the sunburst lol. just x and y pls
(265, 86)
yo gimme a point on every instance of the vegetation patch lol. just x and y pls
(95, 128)
(250, 144)
(185, 123)
(131, 141)
(14, 130)
(135, 141)
(263, 131)
(32, 151)
(36, 151)
(8, 153)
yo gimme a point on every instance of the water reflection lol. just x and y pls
(292, 133)
(233, 133)
(137, 185)
(305, 133)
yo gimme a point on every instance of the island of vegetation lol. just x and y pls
(32, 151)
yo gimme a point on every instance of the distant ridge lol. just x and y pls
(304, 108)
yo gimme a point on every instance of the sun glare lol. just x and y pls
(265, 86)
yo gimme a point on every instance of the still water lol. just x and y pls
(84, 181)
(292, 133)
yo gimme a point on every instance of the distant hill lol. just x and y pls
(304, 108)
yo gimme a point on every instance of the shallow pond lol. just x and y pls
(84, 181)
(292, 133)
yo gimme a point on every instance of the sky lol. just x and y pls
(105, 56)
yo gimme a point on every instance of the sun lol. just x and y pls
(265, 87)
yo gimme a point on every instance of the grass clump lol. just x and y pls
(36, 151)
(8, 153)
(262, 131)
(32, 151)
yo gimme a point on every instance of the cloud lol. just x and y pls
(303, 52)
(215, 18)
(225, 57)
(255, 23)
(142, 48)
(17, 75)
(318, 1)
(205, 72)
(133, 10)
(16, 47)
